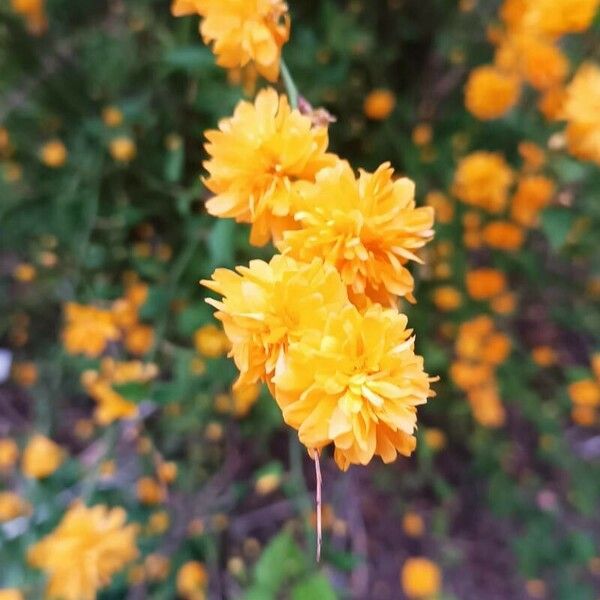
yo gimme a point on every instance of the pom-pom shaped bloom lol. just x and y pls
(559, 17)
(267, 305)
(367, 227)
(83, 553)
(483, 179)
(242, 31)
(88, 329)
(490, 93)
(356, 383)
(533, 193)
(102, 386)
(257, 159)
(582, 112)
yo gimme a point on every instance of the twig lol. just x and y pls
(319, 511)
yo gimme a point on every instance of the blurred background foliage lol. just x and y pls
(505, 512)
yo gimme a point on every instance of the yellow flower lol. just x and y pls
(111, 405)
(41, 457)
(210, 341)
(9, 454)
(485, 283)
(54, 154)
(82, 554)
(267, 305)
(582, 112)
(242, 32)
(192, 580)
(356, 382)
(559, 17)
(257, 159)
(156, 567)
(88, 330)
(420, 578)
(491, 93)
(483, 179)
(367, 227)
(12, 506)
(379, 104)
(123, 149)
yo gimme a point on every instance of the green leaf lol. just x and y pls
(134, 392)
(220, 243)
(281, 560)
(190, 58)
(156, 304)
(556, 223)
(316, 586)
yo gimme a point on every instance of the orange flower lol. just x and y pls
(139, 339)
(149, 491)
(111, 405)
(421, 578)
(267, 305)
(82, 554)
(379, 104)
(544, 356)
(552, 102)
(447, 298)
(486, 405)
(442, 206)
(485, 283)
(491, 93)
(503, 235)
(122, 149)
(41, 457)
(192, 580)
(533, 156)
(54, 154)
(582, 112)
(88, 330)
(9, 454)
(211, 341)
(483, 179)
(356, 382)
(257, 159)
(242, 32)
(467, 375)
(559, 17)
(367, 227)
(12, 506)
(585, 393)
(34, 13)
(244, 399)
(533, 194)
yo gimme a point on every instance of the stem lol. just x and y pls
(290, 86)
(319, 511)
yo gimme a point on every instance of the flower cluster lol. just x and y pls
(319, 322)
(89, 329)
(480, 349)
(528, 50)
(82, 554)
(513, 200)
(242, 32)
